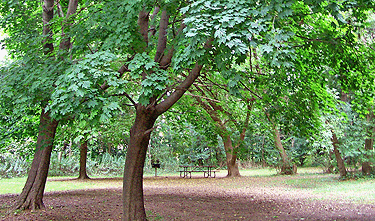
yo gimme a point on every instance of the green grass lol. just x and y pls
(15, 185)
(308, 180)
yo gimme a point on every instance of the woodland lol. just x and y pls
(110, 87)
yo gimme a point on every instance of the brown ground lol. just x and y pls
(173, 198)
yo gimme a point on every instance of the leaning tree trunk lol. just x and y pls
(135, 158)
(330, 166)
(231, 157)
(32, 193)
(367, 168)
(286, 167)
(340, 161)
(83, 161)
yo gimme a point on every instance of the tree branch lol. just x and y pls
(143, 18)
(72, 9)
(152, 17)
(180, 90)
(162, 40)
(166, 59)
(47, 17)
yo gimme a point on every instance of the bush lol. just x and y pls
(63, 165)
(12, 165)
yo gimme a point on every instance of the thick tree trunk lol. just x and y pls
(135, 158)
(340, 161)
(367, 168)
(231, 156)
(83, 161)
(32, 194)
(286, 168)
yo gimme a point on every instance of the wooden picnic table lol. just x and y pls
(186, 170)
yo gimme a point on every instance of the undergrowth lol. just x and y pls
(13, 166)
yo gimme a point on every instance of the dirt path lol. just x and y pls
(200, 199)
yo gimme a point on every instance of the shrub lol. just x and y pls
(12, 165)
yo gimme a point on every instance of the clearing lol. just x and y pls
(305, 196)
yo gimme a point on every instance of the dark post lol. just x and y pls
(155, 165)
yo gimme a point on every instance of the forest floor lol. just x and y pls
(300, 197)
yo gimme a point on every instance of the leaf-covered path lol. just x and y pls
(244, 198)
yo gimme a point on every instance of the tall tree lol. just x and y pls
(22, 80)
(287, 167)
(152, 51)
(164, 45)
(228, 121)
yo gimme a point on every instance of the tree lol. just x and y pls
(228, 120)
(367, 168)
(159, 67)
(82, 161)
(286, 168)
(21, 80)
(151, 52)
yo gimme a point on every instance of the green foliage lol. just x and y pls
(157, 78)
(79, 89)
(62, 166)
(107, 164)
(68, 165)
(17, 132)
(174, 145)
(12, 165)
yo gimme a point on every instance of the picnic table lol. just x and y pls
(186, 170)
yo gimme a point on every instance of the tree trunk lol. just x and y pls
(83, 161)
(340, 161)
(32, 193)
(135, 158)
(286, 167)
(231, 156)
(264, 163)
(330, 166)
(367, 168)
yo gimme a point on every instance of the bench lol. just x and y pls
(207, 171)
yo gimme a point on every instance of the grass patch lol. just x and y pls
(15, 185)
(12, 185)
(152, 216)
(258, 172)
(360, 191)
(308, 180)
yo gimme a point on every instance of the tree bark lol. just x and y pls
(83, 161)
(133, 205)
(286, 167)
(213, 109)
(367, 168)
(231, 157)
(32, 193)
(335, 144)
(340, 161)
